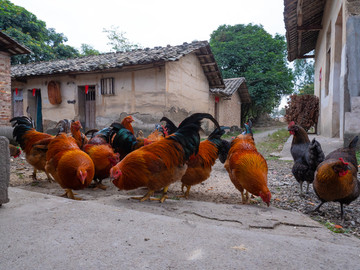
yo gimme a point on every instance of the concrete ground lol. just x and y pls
(40, 231)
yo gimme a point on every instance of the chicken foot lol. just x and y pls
(69, 194)
(99, 185)
(186, 194)
(145, 197)
(163, 197)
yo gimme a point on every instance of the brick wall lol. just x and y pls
(5, 90)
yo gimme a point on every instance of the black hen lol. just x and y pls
(307, 155)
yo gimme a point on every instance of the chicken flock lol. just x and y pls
(175, 153)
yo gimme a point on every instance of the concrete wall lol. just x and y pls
(4, 169)
(187, 89)
(230, 111)
(5, 89)
(329, 67)
(341, 29)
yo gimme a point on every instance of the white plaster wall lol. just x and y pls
(329, 119)
(187, 85)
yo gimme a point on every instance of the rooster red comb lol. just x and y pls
(342, 160)
(292, 123)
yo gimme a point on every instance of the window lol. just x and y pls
(107, 86)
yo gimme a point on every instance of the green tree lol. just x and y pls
(25, 28)
(249, 51)
(118, 41)
(88, 50)
(304, 76)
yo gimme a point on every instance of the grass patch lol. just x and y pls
(335, 228)
(273, 143)
(358, 156)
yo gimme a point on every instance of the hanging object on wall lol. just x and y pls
(54, 93)
(320, 74)
(33, 92)
(217, 99)
(16, 91)
(86, 89)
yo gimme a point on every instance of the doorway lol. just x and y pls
(17, 103)
(34, 108)
(87, 106)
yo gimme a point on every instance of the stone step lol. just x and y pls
(355, 104)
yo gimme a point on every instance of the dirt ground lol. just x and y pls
(218, 188)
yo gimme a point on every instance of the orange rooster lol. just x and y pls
(200, 165)
(336, 177)
(160, 163)
(71, 168)
(247, 168)
(104, 159)
(79, 137)
(126, 122)
(32, 142)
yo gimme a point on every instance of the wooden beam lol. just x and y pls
(212, 72)
(208, 64)
(309, 28)
(306, 56)
(299, 13)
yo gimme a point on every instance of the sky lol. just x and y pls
(151, 23)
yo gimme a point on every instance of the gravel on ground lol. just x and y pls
(218, 189)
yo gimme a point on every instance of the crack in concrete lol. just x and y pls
(283, 223)
(211, 218)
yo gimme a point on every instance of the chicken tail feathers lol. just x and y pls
(353, 143)
(316, 154)
(19, 132)
(224, 150)
(170, 126)
(22, 120)
(197, 117)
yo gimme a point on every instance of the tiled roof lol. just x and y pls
(231, 86)
(121, 60)
(7, 44)
(303, 20)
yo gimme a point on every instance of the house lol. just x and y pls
(171, 81)
(8, 48)
(331, 29)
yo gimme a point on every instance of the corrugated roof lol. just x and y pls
(231, 86)
(303, 19)
(9, 45)
(121, 60)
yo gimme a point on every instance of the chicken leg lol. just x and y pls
(145, 197)
(69, 194)
(186, 194)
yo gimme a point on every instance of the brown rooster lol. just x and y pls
(160, 163)
(336, 177)
(14, 151)
(32, 142)
(307, 155)
(71, 168)
(79, 137)
(200, 165)
(104, 159)
(247, 168)
(126, 122)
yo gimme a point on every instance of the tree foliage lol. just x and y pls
(304, 76)
(303, 110)
(118, 41)
(25, 28)
(87, 50)
(249, 51)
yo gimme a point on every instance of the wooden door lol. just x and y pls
(18, 103)
(90, 105)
